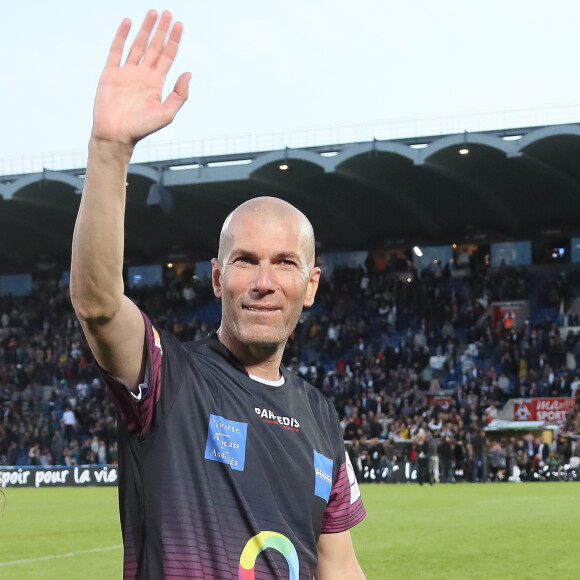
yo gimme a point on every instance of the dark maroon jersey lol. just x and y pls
(223, 477)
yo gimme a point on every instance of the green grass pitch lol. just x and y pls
(493, 531)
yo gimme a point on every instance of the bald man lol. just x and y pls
(264, 275)
(231, 467)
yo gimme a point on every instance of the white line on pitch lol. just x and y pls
(68, 555)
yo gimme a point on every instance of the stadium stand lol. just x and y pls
(379, 346)
(400, 349)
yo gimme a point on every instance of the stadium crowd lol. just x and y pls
(412, 363)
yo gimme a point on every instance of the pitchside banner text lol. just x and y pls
(549, 409)
(59, 476)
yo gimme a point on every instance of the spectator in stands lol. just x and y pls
(34, 455)
(43, 327)
(102, 454)
(54, 424)
(57, 448)
(491, 412)
(45, 458)
(352, 428)
(12, 454)
(82, 389)
(69, 423)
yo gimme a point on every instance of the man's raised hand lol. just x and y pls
(129, 104)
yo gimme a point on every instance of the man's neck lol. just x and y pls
(260, 361)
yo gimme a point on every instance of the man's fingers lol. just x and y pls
(116, 52)
(159, 53)
(157, 43)
(140, 43)
(182, 86)
(175, 100)
(168, 55)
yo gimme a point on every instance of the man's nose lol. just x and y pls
(265, 279)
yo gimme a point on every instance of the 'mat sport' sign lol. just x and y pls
(549, 409)
(82, 476)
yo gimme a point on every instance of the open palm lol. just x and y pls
(129, 104)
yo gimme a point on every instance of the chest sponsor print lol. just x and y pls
(226, 442)
(269, 416)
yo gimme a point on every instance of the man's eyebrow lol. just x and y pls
(290, 254)
(237, 252)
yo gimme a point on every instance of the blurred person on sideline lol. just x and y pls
(478, 447)
(433, 445)
(422, 450)
(445, 451)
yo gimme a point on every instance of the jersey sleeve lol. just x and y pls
(345, 508)
(137, 411)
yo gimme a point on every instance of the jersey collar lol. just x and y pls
(214, 343)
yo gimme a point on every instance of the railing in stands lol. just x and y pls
(151, 151)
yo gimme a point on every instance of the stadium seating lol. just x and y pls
(366, 363)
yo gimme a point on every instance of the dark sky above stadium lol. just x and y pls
(263, 66)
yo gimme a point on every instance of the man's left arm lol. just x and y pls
(336, 558)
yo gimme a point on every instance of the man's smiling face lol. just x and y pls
(264, 276)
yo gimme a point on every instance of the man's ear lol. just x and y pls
(312, 287)
(216, 273)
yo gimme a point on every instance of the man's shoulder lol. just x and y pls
(208, 347)
(205, 357)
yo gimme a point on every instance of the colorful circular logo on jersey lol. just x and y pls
(259, 543)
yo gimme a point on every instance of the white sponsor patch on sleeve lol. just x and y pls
(354, 488)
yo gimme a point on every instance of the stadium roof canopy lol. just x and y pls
(513, 184)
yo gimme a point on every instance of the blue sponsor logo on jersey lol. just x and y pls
(323, 472)
(226, 442)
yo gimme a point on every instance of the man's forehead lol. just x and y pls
(267, 224)
(251, 230)
(266, 220)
